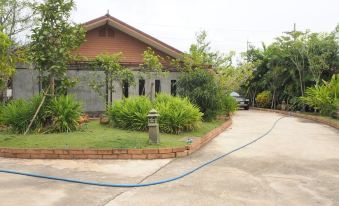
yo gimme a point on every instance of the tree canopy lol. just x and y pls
(290, 64)
(54, 38)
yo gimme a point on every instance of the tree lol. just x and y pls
(16, 17)
(201, 56)
(290, 64)
(321, 49)
(114, 71)
(294, 46)
(7, 61)
(151, 67)
(53, 39)
(233, 77)
(200, 79)
(202, 89)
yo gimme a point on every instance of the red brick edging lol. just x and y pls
(305, 116)
(160, 153)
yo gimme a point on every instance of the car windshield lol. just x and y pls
(234, 94)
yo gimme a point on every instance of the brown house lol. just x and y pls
(107, 35)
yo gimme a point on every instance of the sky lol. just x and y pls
(229, 23)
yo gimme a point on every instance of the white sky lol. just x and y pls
(229, 23)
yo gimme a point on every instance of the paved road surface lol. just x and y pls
(296, 164)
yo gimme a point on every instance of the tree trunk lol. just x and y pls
(52, 84)
(273, 98)
(2, 96)
(37, 111)
(152, 93)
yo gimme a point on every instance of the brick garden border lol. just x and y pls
(156, 153)
(305, 116)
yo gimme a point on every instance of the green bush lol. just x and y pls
(17, 114)
(325, 97)
(130, 113)
(57, 115)
(2, 107)
(229, 104)
(263, 99)
(176, 114)
(64, 112)
(202, 89)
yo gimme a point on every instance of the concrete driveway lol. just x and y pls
(296, 164)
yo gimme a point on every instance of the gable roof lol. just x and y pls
(132, 31)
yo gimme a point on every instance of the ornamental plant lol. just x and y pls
(176, 114)
(59, 114)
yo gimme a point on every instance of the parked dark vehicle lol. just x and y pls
(242, 101)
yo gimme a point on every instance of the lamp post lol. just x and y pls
(153, 127)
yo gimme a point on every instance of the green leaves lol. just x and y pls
(290, 64)
(65, 112)
(60, 114)
(325, 97)
(7, 60)
(54, 38)
(152, 62)
(176, 114)
(114, 71)
(263, 98)
(202, 89)
(17, 114)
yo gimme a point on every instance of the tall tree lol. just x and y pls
(7, 61)
(321, 50)
(16, 17)
(54, 38)
(294, 44)
(201, 56)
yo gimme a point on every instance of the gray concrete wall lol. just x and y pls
(26, 84)
(91, 99)
(165, 84)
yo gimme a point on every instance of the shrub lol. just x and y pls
(2, 107)
(17, 114)
(130, 113)
(59, 114)
(263, 98)
(64, 112)
(324, 97)
(201, 88)
(229, 104)
(176, 114)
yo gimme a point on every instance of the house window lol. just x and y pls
(141, 87)
(125, 88)
(157, 86)
(102, 32)
(174, 87)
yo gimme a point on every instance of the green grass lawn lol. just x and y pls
(99, 136)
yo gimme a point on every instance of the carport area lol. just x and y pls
(296, 164)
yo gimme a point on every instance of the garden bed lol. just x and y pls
(96, 142)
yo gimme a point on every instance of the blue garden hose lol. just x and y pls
(103, 184)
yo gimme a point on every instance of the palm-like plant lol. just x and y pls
(64, 112)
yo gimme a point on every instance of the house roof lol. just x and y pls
(132, 31)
